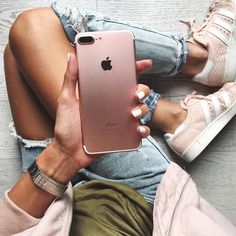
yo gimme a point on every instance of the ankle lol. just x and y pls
(177, 117)
(196, 59)
(168, 116)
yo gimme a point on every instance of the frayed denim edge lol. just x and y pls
(27, 142)
(182, 52)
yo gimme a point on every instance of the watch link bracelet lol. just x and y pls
(45, 182)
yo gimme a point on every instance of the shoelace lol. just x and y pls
(193, 95)
(193, 27)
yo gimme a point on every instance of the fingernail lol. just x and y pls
(142, 129)
(136, 113)
(140, 95)
(68, 57)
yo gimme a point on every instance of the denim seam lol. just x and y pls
(159, 149)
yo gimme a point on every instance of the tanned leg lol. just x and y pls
(40, 48)
(35, 63)
(31, 119)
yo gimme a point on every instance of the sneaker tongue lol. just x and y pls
(191, 99)
(201, 77)
(198, 40)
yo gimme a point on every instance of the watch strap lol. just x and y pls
(46, 183)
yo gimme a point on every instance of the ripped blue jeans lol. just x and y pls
(167, 51)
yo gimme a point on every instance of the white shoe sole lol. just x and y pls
(208, 134)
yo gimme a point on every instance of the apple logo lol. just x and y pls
(106, 64)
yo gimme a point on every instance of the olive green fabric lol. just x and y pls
(103, 208)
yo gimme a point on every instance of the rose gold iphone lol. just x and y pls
(107, 85)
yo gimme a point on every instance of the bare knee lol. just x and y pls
(28, 24)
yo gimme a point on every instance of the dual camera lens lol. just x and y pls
(86, 40)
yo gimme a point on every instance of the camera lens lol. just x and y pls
(86, 40)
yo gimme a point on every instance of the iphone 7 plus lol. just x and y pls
(107, 86)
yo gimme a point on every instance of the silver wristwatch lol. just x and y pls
(45, 182)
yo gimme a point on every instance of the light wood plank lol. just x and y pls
(10, 170)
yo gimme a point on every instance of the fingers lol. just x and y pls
(144, 131)
(70, 77)
(140, 111)
(143, 65)
(142, 91)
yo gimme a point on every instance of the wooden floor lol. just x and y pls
(214, 171)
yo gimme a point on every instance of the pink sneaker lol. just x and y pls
(206, 117)
(218, 36)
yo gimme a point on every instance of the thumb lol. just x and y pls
(70, 77)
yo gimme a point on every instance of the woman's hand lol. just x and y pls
(68, 132)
